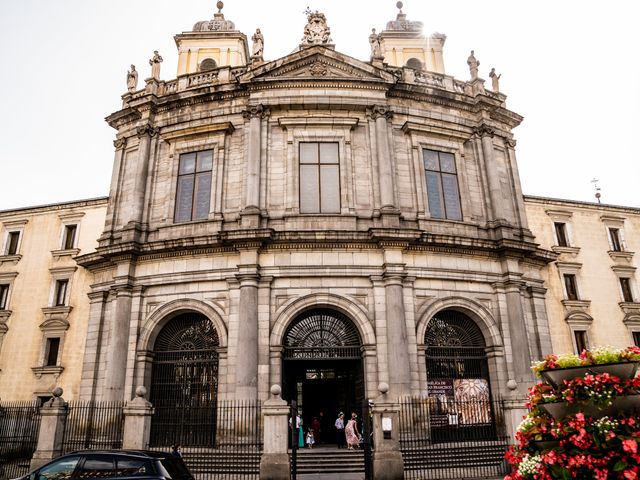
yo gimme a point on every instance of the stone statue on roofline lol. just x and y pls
(258, 44)
(132, 79)
(473, 66)
(495, 80)
(374, 41)
(155, 65)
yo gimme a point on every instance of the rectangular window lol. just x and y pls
(4, 296)
(571, 286)
(60, 293)
(625, 285)
(12, 243)
(319, 177)
(193, 193)
(614, 235)
(561, 234)
(442, 185)
(51, 354)
(636, 339)
(69, 239)
(581, 340)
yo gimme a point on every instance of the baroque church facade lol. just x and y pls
(317, 222)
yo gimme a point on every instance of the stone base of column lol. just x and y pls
(274, 466)
(390, 217)
(250, 217)
(388, 465)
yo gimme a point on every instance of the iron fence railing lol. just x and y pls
(93, 426)
(226, 444)
(446, 438)
(19, 427)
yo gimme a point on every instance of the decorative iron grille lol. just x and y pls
(19, 426)
(93, 426)
(322, 334)
(184, 382)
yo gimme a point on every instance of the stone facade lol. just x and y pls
(383, 251)
(37, 307)
(598, 249)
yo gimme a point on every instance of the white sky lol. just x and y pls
(570, 67)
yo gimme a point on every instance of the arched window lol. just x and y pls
(414, 63)
(208, 64)
(184, 382)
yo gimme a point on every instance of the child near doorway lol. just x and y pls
(310, 439)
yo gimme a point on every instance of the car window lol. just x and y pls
(61, 469)
(176, 468)
(97, 466)
(129, 467)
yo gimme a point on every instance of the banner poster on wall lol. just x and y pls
(462, 401)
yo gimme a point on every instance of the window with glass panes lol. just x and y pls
(51, 353)
(561, 234)
(570, 286)
(614, 235)
(12, 243)
(442, 185)
(69, 239)
(194, 186)
(581, 340)
(625, 286)
(319, 177)
(4, 295)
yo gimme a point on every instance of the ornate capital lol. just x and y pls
(378, 111)
(119, 143)
(511, 142)
(484, 130)
(259, 111)
(147, 129)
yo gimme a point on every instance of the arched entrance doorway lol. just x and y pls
(322, 367)
(458, 384)
(184, 382)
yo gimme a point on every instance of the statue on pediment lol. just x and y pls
(473, 66)
(258, 44)
(495, 80)
(316, 32)
(155, 65)
(132, 79)
(374, 41)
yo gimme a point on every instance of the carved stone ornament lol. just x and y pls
(316, 32)
(256, 111)
(402, 24)
(217, 24)
(318, 69)
(146, 130)
(119, 143)
(483, 130)
(511, 142)
(378, 111)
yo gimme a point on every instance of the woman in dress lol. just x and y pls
(300, 430)
(351, 432)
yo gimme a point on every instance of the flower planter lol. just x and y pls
(543, 445)
(623, 370)
(560, 410)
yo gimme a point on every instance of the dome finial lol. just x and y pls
(400, 5)
(219, 5)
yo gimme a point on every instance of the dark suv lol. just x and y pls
(113, 464)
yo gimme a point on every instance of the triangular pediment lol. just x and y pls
(317, 63)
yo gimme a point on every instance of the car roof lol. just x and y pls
(129, 453)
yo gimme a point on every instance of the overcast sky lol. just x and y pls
(570, 67)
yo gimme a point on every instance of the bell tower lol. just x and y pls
(211, 44)
(404, 44)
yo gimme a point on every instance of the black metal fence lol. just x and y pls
(93, 426)
(19, 426)
(445, 438)
(226, 444)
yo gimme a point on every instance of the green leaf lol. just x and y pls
(620, 465)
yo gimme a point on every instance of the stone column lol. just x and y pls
(145, 132)
(274, 463)
(247, 346)
(387, 458)
(137, 421)
(118, 345)
(493, 179)
(54, 415)
(95, 333)
(520, 357)
(385, 171)
(397, 341)
(251, 208)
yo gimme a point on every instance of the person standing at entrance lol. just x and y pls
(317, 430)
(351, 432)
(340, 430)
(300, 430)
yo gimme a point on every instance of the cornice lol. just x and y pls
(180, 131)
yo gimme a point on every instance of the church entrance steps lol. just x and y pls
(329, 459)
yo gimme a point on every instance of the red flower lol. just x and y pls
(630, 446)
